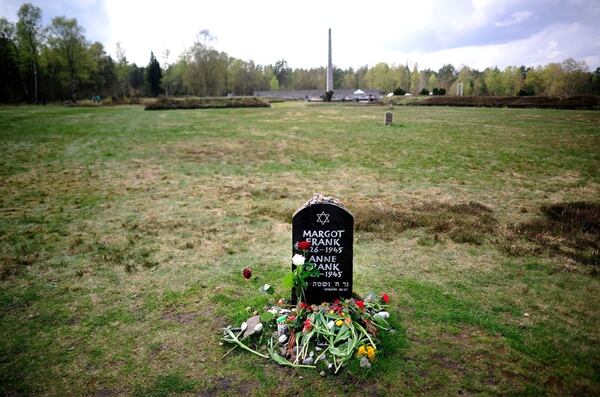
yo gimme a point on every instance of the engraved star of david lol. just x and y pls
(323, 218)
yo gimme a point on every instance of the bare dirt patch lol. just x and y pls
(182, 318)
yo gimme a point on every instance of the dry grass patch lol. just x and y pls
(571, 229)
(462, 222)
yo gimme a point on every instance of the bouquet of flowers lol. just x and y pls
(325, 336)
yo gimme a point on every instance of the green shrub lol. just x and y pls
(164, 103)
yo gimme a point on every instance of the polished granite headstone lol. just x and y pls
(328, 226)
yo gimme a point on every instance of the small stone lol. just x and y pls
(255, 313)
(308, 361)
(364, 363)
(322, 373)
(526, 314)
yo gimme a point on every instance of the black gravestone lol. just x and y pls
(328, 226)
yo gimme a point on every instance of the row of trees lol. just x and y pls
(56, 62)
(39, 63)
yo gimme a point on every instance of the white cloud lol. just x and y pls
(539, 49)
(516, 17)
(478, 33)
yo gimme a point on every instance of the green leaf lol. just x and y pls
(266, 317)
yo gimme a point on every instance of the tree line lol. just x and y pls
(57, 62)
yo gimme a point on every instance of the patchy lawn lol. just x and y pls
(123, 234)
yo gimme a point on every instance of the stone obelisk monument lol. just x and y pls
(329, 67)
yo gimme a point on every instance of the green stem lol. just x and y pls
(234, 339)
(366, 334)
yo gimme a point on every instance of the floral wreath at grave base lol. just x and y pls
(325, 336)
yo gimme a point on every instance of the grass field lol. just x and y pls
(123, 234)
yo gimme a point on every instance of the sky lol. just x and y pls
(429, 33)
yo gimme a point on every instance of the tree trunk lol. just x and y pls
(35, 82)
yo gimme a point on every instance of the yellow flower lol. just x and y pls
(361, 351)
(371, 353)
(339, 323)
(331, 311)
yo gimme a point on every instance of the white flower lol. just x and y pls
(244, 326)
(330, 324)
(383, 315)
(298, 260)
(266, 287)
(258, 327)
(282, 338)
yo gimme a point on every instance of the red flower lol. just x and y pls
(303, 245)
(247, 273)
(307, 325)
(305, 306)
(360, 304)
(386, 298)
(291, 318)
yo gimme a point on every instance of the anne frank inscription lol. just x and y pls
(328, 227)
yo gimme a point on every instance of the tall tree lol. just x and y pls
(136, 79)
(283, 73)
(104, 77)
(595, 82)
(29, 35)
(10, 73)
(122, 71)
(153, 75)
(446, 76)
(66, 38)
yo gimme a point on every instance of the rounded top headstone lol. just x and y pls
(319, 198)
(328, 226)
